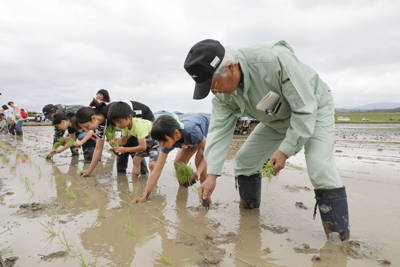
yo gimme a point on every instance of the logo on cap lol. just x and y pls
(194, 76)
(215, 62)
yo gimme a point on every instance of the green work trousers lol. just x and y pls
(318, 150)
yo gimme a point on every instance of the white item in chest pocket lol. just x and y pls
(269, 102)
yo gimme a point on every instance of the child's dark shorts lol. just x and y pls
(153, 147)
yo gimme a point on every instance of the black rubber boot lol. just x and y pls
(19, 132)
(12, 129)
(249, 190)
(88, 154)
(122, 163)
(143, 167)
(332, 204)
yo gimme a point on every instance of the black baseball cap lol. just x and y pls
(48, 110)
(201, 62)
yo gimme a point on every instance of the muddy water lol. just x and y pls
(281, 233)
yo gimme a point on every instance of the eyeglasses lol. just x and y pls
(215, 90)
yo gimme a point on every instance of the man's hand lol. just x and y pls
(207, 187)
(279, 160)
(48, 156)
(85, 173)
(120, 150)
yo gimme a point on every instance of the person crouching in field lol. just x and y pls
(189, 135)
(120, 113)
(85, 139)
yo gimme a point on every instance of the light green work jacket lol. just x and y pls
(270, 66)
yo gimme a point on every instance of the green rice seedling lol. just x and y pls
(81, 260)
(30, 161)
(51, 176)
(60, 142)
(71, 142)
(78, 171)
(101, 213)
(128, 226)
(268, 170)
(195, 189)
(64, 242)
(115, 145)
(167, 261)
(130, 200)
(70, 193)
(87, 203)
(136, 194)
(48, 228)
(110, 132)
(27, 183)
(5, 251)
(95, 179)
(53, 211)
(4, 159)
(8, 229)
(39, 170)
(184, 174)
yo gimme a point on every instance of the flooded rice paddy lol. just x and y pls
(49, 216)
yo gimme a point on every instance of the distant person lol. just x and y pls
(103, 96)
(95, 117)
(6, 110)
(3, 123)
(120, 113)
(48, 112)
(18, 120)
(299, 112)
(189, 135)
(85, 139)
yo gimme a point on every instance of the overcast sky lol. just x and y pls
(65, 51)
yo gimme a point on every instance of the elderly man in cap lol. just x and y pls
(295, 108)
(49, 110)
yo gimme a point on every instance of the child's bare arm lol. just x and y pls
(154, 176)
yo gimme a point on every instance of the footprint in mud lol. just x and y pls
(53, 255)
(296, 188)
(300, 205)
(360, 250)
(207, 248)
(275, 229)
(9, 262)
(306, 249)
(33, 206)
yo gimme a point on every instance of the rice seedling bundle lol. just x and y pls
(184, 174)
(268, 170)
(60, 142)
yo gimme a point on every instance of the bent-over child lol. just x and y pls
(85, 139)
(189, 135)
(121, 114)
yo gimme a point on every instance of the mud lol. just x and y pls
(53, 255)
(174, 223)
